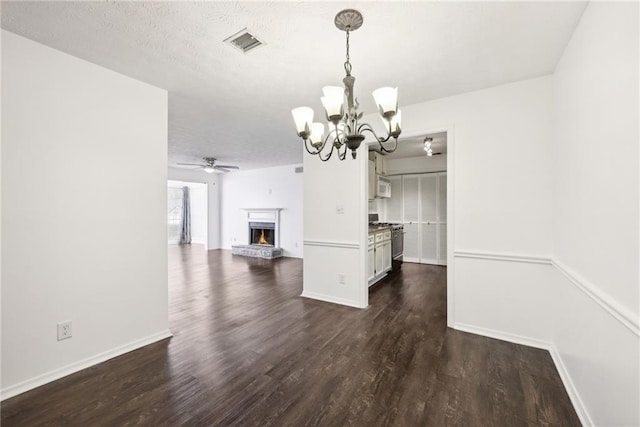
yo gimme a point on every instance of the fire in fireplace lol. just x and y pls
(262, 233)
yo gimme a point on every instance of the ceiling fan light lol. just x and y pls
(387, 100)
(208, 169)
(303, 117)
(332, 100)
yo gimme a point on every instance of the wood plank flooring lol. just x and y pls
(248, 351)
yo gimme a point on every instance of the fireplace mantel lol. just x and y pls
(262, 209)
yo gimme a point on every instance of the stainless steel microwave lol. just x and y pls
(383, 187)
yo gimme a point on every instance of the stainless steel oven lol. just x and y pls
(397, 246)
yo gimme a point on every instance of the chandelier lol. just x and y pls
(344, 129)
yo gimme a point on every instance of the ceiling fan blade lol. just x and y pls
(189, 164)
(226, 167)
(221, 169)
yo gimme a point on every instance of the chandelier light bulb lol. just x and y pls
(396, 123)
(303, 117)
(387, 100)
(332, 100)
(317, 133)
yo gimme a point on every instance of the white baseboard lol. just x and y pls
(503, 336)
(72, 368)
(327, 298)
(569, 386)
(578, 405)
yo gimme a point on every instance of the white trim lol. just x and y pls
(503, 336)
(622, 314)
(615, 309)
(72, 368)
(328, 244)
(503, 257)
(262, 209)
(334, 300)
(570, 387)
(572, 391)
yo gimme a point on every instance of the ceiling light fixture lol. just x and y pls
(345, 131)
(427, 146)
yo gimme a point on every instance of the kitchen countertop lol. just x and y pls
(376, 228)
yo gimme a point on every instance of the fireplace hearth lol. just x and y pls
(263, 236)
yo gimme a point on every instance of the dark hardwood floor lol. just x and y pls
(248, 351)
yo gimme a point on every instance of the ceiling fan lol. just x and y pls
(209, 165)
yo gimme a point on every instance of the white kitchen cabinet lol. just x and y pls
(379, 255)
(386, 256)
(379, 258)
(372, 179)
(371, 268)
(380, 162)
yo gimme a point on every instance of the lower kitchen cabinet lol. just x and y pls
(371, 270)
(379, 255)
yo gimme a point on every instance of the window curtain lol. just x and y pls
(185, 233)
(174, 214)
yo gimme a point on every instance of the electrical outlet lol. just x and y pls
(64, 330)
(341, 279)
(340, 210)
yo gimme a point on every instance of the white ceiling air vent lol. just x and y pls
(244, 41)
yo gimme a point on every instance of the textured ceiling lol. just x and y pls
(236, 107)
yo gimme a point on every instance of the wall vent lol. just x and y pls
(244, 41)
(299, 169)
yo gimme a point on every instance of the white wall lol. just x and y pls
(84, 155)
(335, 243)
(501, 200)
(595, 207)
(213, 199)
(198, 209)
(278, 187)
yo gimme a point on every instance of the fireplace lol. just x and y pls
(263, 236)
(262, 233)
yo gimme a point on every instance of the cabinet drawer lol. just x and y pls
(387, 235)
(379, 237)
(371, 239)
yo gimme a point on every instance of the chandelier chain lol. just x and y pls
(347, 64)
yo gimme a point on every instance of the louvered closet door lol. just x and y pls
(411, 217)
(429, 219)
(442, 219)
(394, 204)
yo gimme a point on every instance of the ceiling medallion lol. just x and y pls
(345, 131)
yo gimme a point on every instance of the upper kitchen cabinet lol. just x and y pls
(379, 161)
(372, 179)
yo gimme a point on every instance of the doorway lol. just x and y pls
(417, 174)
(429, 222)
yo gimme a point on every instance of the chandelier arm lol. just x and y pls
(343, 155)
(365, 127)
(306, 146)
